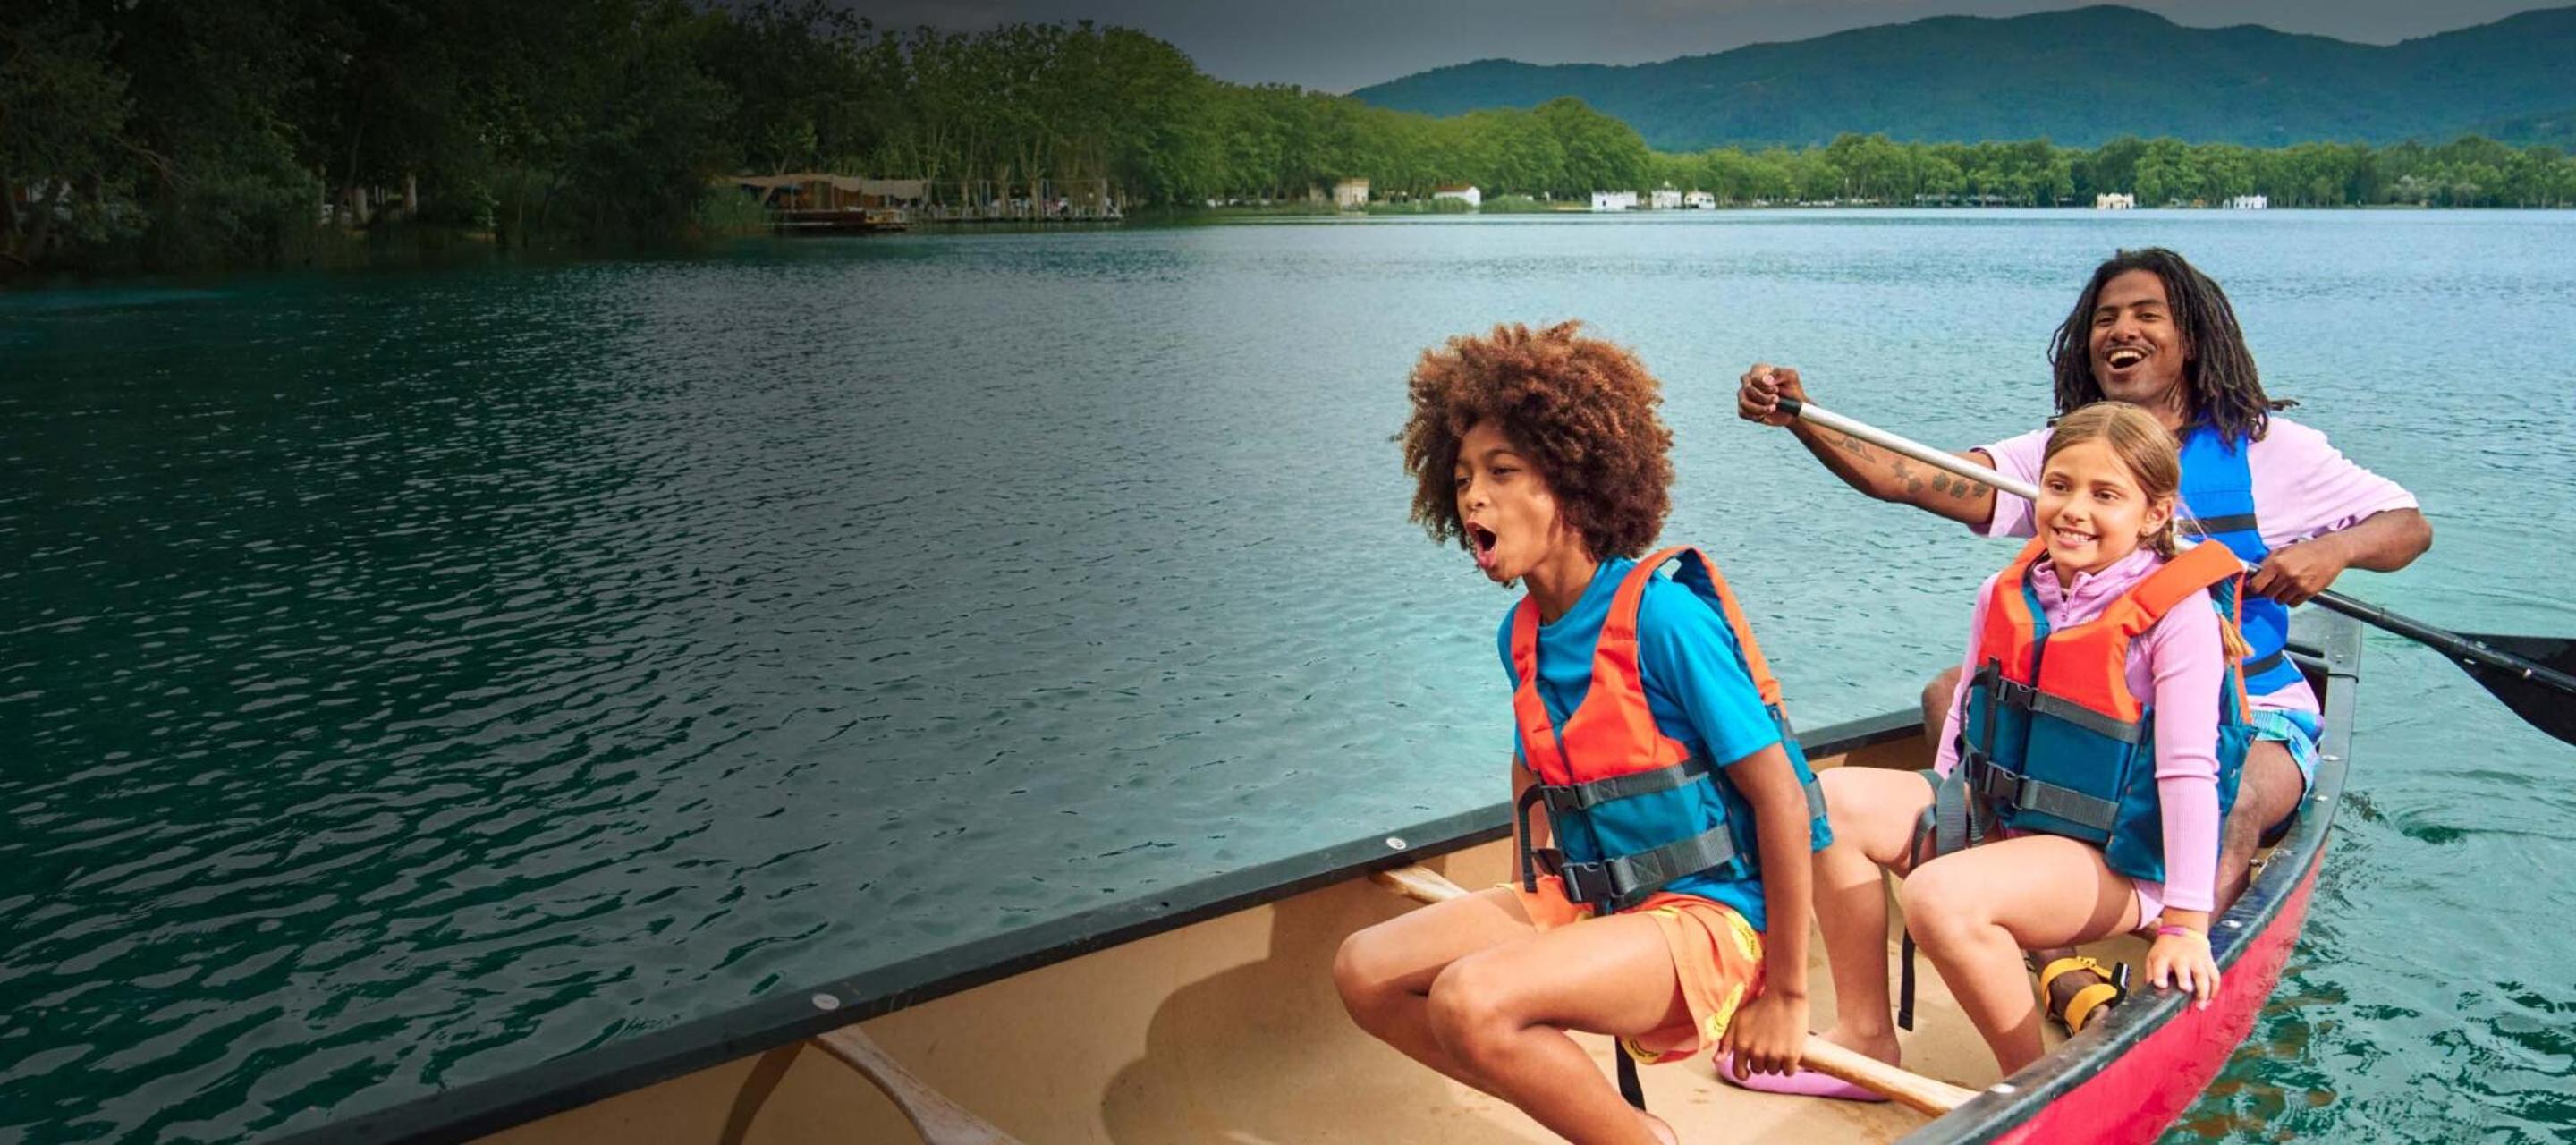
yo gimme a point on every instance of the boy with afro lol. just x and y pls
(1678, 816)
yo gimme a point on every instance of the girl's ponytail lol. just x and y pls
(2167, 541)
(2233, 640)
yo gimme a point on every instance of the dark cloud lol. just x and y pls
(1337, 45)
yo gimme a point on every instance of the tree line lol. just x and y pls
(176, 132)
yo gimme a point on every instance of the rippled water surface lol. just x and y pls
(410, 678)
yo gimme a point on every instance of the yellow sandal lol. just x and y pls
(2088, 1002)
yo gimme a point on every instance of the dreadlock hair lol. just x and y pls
(2221, 388)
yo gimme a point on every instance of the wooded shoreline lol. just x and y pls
(166, 135)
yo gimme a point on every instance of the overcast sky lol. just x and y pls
(1338, 45)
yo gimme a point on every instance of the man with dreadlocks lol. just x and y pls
(2152, 330)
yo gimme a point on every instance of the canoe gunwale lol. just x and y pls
(787, 1017)
(2335, 655)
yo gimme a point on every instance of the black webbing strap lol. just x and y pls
(1579, 797)
(2253, 668)
(1947, 825)
(2227, 523)
(1626, 880)
(1529, 855)
(1995, 784)
(1628, 1085)
(2088, 719)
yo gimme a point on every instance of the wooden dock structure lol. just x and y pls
(807, 202)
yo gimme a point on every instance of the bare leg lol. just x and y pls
(1385, 972)
(1975, 911)
(2270, 789)
(1503, 1013)
(1936, 704)
(1873, 811)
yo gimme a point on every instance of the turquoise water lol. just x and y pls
(408, 678)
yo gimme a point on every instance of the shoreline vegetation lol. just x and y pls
(164, 135)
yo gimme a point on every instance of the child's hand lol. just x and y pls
(1769, 1035)
(2182, 956)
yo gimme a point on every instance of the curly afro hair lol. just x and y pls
(1581, 408)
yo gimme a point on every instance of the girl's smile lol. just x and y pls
(2092, 509)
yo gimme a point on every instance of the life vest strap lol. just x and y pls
(2255, 668)
(1952, 822)
(1575, 798)
(1626, 880)
(2000, 784)
(2225, 523)
(2014, 694)
(2058, 707)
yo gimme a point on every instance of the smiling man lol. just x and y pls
(2152, 330)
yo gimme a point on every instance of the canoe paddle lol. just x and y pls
(2534, 675)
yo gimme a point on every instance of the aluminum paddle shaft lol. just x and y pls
(2523, 684)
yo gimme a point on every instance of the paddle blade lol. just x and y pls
(2544, 702)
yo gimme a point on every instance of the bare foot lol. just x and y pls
(1663, 1132)
(1883, 1046)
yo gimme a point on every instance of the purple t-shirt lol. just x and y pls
(2303, 488)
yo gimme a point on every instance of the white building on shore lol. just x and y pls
(1663, 199)
(2115, 201)
(1699, 201)
(1614, 200)
(1461, 192)
(1351, 194)
(2250, 203)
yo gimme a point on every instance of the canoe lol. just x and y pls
(1208, 1014)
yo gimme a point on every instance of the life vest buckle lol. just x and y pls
(1569, 799)
(1587, 883)
(2015, 694)
(1996, 783)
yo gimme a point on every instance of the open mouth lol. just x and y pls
(2066, 536)
(2124, 357)
(1481, 540)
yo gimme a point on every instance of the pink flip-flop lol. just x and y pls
(1803, 1083)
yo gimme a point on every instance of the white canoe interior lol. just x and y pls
(1227, 1030)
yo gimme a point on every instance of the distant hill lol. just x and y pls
(2078, 77)
(2555, 130)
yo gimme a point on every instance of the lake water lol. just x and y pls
(406, 678)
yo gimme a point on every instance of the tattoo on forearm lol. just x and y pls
(1959, 487)
(1904, 473)
(1854, 446)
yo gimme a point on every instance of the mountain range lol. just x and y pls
(2078, 77)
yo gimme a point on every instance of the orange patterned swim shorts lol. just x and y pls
(1717, 958)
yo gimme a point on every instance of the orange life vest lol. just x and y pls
(2052, 740)
(1631, 809)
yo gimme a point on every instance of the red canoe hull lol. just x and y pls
(2140, 1093)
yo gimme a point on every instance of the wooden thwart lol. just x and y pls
(938, 1120)
(1913, 1090)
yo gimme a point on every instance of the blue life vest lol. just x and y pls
(2218, 489)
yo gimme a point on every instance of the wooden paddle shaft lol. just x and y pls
(1930, 1095)
(1924, 1094)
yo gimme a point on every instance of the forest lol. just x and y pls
(174, 133)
